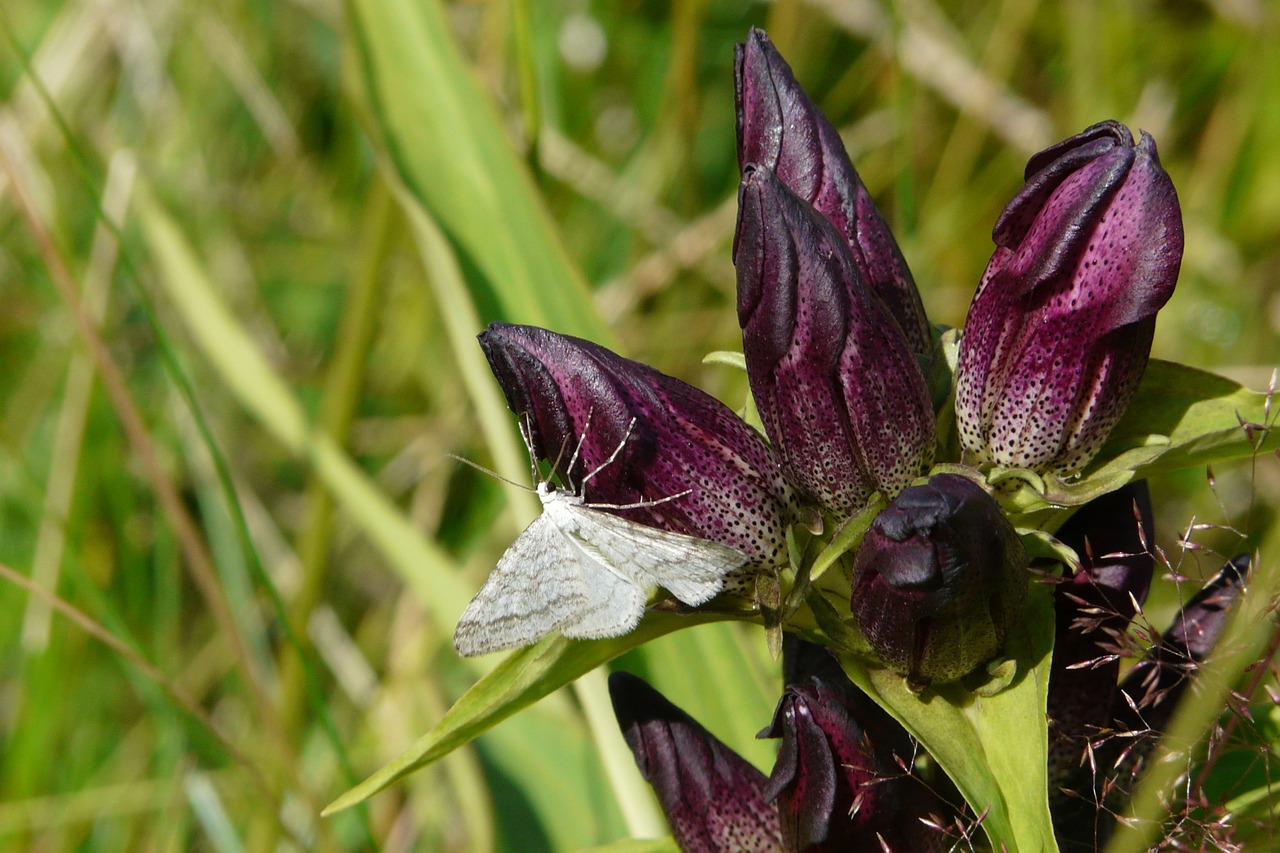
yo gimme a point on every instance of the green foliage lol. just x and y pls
(994, 747)
(287, 222)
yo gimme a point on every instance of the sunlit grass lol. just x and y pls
(277, 545)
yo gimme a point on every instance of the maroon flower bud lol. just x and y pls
(938, 580)
(669, 439)
(781, 129)
(1092, 610)
(1142, 709)
(841, 396)
(843, 779)
(1152, 689)
(1060, 329)
(712, 797)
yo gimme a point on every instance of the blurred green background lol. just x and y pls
(287, 220)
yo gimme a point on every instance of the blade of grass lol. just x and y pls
(196, 556)
(634, 796)
(72, 415)
(233, 354)
(337, 409)
(143, 796)
(428, 109)
(175, 693)
(461, 321)
(206, 803)
(1251, 629)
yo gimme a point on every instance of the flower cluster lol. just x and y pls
(845, 778)
(840, 358)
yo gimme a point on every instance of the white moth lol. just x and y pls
(584, 571)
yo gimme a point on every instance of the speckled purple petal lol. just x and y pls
(1059, 332)
(682, 440)
(841, 396)
(712, 797)
(781, 128)
(938, 579)
(1091, 610)
(842, 780)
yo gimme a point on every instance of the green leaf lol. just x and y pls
(526, 676)
(1042, 545)
(846, 538)
(726, 357)
(1181, 418)
(441, 132)
(995, 748)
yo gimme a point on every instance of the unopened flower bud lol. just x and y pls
(841, 396)
(938, 579)
(712, 797)
(1059, 332)
(780, 128)
(647, 437)
(843, 779)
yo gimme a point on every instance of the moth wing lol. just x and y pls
(535, 589)
(692, 569)
(614, 603)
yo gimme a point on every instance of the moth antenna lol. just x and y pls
(490, 472)
(606, 463)
(560, 454)
(526, 433)
(578, 449)
(640, 504)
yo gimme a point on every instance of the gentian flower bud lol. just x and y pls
(673, 438)
(1152, 689)
(1059, 332)
(712, 797)
(1092, 610)
(780, 128)
(843, 777)
(1142, 709)
(840, 393)
(938, 579)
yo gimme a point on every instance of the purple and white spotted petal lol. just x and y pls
(1059, 332)
(678, 440)
(839, 391)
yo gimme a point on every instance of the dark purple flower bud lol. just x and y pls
(669, 439)
(843, 779)
(1142, 708)
(1092, 610)
(781, 129)
(938, 580)
(1151, 690)
(841, 396)
(1060, 329)
(712, 797)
